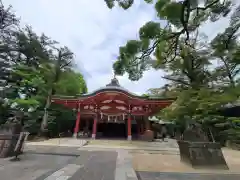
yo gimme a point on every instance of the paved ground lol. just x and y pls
(109, 160)
(88, 166)
(62, 165)
(169, 145)
(31, 166)
(184, 176)
(52, 150)
(68, 142)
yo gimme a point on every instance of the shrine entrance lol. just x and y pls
(113, 112)
(113, 127)
(112, 130)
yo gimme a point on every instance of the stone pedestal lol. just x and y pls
(93, 136)
(129, 138)
(75, 135)
(202, 154)
(148, 135)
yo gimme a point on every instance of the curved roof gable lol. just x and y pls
(112, 86)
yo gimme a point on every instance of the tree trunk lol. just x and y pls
(44, 123)
(51, 92)
(45, 116)
(229, 74)
(211, 134)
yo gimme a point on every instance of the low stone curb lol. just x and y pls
(81, 143)
(132, 148)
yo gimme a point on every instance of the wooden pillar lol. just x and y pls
(77, 124)
(142, 128)
(94, 131)
(147, 123)
(126, 127)
(129, 123)
(87, 124)
(142, 124)
(139, 128)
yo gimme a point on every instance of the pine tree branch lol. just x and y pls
(176, 80)
(206, 7)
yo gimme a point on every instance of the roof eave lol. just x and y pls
(82, 96)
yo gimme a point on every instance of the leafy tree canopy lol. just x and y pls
(202, 73)
(33, 68)
(183, 18)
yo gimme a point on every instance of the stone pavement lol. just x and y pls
(88, 166)
(124, 169)
(169, 145)
(31, 166)
(60, 166)
(159, 161)
(52, 150)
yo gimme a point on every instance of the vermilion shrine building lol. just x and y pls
(113, 111)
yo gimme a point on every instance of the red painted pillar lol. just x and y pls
(94, 131)
(76, 129)
(129, 123)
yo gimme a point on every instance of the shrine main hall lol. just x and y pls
(113, 112)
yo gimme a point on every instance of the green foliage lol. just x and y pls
(166, 43)
(187, 57)
(197, 104)
(32, 69)
(8, 23)
(71, 83)
(127, 55)
(204, 106)
(26, 104)
(167, 91)
(60, 120)
(170, 11)
(125, 4)
(149, 31)
(226, 51)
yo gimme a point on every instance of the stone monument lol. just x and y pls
(9, 135)
(196, 150)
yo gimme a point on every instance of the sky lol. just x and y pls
(94, 33)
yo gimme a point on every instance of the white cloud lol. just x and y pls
(93, 32)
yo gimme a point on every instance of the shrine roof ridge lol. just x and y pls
(110, 89)
(115, 87)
